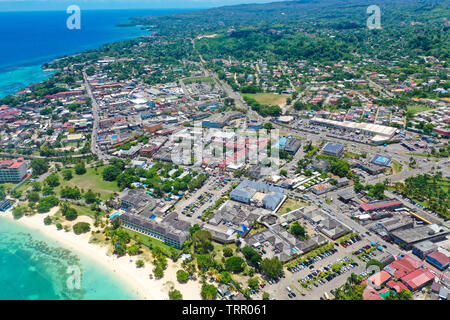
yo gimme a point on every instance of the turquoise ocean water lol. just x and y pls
(34, 267)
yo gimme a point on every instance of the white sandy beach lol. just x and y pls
(125, 267)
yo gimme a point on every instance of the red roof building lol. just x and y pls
(403, 266)
(397, 286)
(418, 279)
(381, 205)
(439, 260)
(379, 278)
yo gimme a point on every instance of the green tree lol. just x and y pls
(272, 268)
(182, 275)
(39, 166)
(33, 197)
(47, 220)
(298, 230)
(208, 292)
(133, 250)
(235, 264)
(80, 168)
(67, 174)
(52, 180)
(175, 295)
(227, 252)
(225, 277)
(205, 261)
(90, 196)
(252, 256)
(81, 227)
(158, 271)
(140, 263)
(374, 262)
(202, 241)
(111, 172)
(18, 212)
(253, 283)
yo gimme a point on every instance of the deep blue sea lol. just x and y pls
(29, 39)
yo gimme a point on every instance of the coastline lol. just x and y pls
(16, 76)
(135, 278)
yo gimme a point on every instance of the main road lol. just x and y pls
(95, 111)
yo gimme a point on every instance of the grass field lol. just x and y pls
(7, 186)
(90, 180)
(291, 204)
(348, 154)
(268, 98)
(396, 166)
(417, 108)
(198, 79)
(152, 242)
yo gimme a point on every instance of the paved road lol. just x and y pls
(95, 111)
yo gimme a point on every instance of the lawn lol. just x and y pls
(268, 98)
(291, 204)
(396, 166)
(152, 242)
(351, 155)
(198, 79)
(90, 180)
(417, 108)
(7, 186)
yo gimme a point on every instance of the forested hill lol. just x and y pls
(333, 14)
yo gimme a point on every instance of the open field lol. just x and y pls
(152, 242)
(198, 79)
(90, 180)
(268, 98)
(7, 186)
(291, 204)
(417, 108)
(396, 166)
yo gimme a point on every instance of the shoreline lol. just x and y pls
(39, 62)
(136, 279)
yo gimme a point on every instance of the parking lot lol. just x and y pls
(198, 202)
(314, 277)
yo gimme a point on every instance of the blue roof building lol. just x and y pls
(333, 149)
(247, 189)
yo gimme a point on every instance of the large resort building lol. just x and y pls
(12, 170)
(170, 230)
(140, 214)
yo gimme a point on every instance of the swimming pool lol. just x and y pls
(114, 214)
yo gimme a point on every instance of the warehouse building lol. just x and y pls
(410, 237)
(219, 120)
(333, 149)
(380, 133)
(292, 145)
